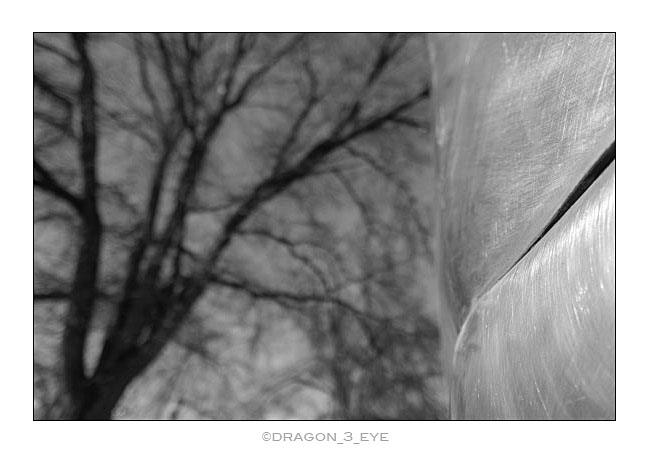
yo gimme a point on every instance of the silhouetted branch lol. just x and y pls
(46, 182)
(263, 293)
(257, 75)
(57, 52)
(82, 297)
(53, 92)
(145, 81)
(51, 295)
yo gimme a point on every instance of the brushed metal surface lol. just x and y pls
(519, 119)
(540, 344)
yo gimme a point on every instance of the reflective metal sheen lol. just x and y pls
(540, 343)
(519, 119)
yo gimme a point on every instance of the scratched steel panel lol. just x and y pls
(540, 344)
(519, 119)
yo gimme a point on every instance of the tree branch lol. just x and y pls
(56, 51)
(83, 293)
(264, 69)
(48, 183)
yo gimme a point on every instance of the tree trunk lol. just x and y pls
(100, 402)
(107, 386)
(97, 402)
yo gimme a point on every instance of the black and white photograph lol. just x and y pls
(330, 227)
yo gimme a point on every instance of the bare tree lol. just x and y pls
(269, 170)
